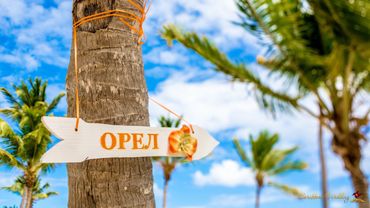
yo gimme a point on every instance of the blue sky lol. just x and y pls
(35, 39)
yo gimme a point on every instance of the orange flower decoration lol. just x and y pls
(182, 142)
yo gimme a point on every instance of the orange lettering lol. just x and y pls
(103, 141)
(155, 141)
(137, 140)
(123, 138)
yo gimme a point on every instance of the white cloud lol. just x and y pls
(228, 173)
(205, 16)
(211, 101)
(7, 179)
(16, 11)
(41, 35)
(165, 56)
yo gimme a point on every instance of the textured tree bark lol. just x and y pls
(347, 146)
(358, 178)
(112, 91)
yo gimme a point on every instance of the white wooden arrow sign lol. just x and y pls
(94, 141)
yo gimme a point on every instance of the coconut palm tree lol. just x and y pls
(168, 164)
(38, 192)
(24, 144)
(265, 160)
(112, 90)
(320, 49)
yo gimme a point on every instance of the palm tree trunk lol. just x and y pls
(165, 188)
(324, 184)
(24, 197)
(349, 149)
(360, 184)
(27, 198)
(258, 194)
(112, 91)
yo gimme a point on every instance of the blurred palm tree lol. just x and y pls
(168, 164)
(38, 192)
(265, 160)
(318, 49)
(23, 145)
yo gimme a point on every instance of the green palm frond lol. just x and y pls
(288, 166)
(262, 146)
(23, 93)
(12, 113)
(35, 144)
(10, 160)
(281, 25)
(266, 160)
(43, 167)
(9, 137)
(276, 157)
(169, 122)
(9, 97)
(16, 188)
(294, 36)
(55, 102)
(287, 189)
(351, 18)
(242, 154)
(44, 195)
(269, 98)
(38, 192)
(24, 147)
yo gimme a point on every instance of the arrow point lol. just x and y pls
(206, 143)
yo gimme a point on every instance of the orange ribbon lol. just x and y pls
(124, 17)
(182, 142)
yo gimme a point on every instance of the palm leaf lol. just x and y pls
(44, 195)
(287, 189)
(262, 146)
(8, 159)
(242, 154)
(268, 98)
(288, 166)
(12, 141)
(54, 102)
(276, 157)
(38, 192)
(10, 98)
